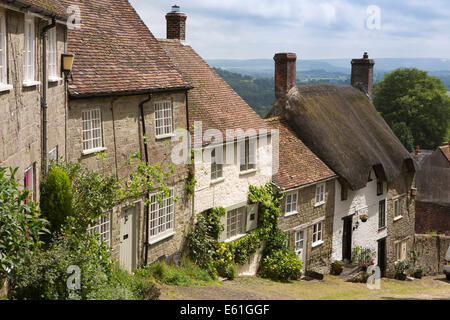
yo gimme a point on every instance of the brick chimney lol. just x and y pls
(362, 74)
(176, 24)
(285, 73)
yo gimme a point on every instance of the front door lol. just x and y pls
(300, 246)
(382, 256)
(127, 238)
(347, 240)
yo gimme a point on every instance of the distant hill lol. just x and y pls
(335, 70)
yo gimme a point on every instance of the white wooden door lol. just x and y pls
(128, 238)
(300, 245)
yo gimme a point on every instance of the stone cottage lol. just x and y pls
(32, 88)
(127, 97)
(307, 209)
(374, 202)
(232, 144)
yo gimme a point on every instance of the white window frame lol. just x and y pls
(400, 248)
(29, 52)
(238, 218)
(247, 155)
(398, 209)
(162, 216)
(92, 131)
(216, 166)
(317, 234)
(163, 118)
(52, 51)
(291, 203)
(103, 228)
(320, 195)
(3, 54)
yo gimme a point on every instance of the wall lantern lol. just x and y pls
(413, 191)
(67, 63)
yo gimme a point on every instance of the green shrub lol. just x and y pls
(281, 265)
(44, 273)
(56, 198)
(21, 225)
(186, 274)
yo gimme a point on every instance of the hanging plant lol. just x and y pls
(364, 217)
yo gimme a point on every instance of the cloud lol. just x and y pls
(242, 29)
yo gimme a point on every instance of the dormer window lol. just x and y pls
(379, 187)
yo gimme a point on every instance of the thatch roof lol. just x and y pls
(343, 128)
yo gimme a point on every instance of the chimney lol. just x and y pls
(362, 74)
(285, 73)
(176, 24)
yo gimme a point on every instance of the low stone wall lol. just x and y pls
(431, 251)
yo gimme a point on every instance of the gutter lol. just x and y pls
(128, 93)
(147, 196)
(44, 104)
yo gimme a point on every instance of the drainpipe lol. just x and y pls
(44, 105)
(146, 244)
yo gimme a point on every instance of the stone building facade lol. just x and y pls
(21, 124)
(131, 106)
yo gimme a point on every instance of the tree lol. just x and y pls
(419, 101)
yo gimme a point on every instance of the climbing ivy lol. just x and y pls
(278, 261)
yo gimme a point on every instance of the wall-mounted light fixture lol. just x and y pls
(413, 192)
(67, 63)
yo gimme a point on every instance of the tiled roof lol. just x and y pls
(298, 165)
(212, 100)
(46, 7)
(446, 150)
(115, 53)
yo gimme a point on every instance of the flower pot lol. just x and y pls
(363, 218)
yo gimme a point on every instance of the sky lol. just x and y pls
(314, 29)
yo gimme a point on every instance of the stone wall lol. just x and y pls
(431, 251)
(123, 137)
(317, 258)
(431, 217)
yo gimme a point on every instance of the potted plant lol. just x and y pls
(418, 271)
(364, 217)
(338, 267)
(401, 269)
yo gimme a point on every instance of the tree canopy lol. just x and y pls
(415, 106)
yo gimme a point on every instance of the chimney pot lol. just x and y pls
(362, 73)
(176, 24)
(285, 73)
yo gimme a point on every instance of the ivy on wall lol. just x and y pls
(278, 262)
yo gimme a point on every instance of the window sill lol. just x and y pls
(91, 151)
(165, 136)
(288, 214)
(382, 229)
(161, 237)
(218, 180)
(398, 218)
(28, 84)
(317, 243)
(243, 173)
(5, 87)
(54, 79)
(318, 204)
(235, 237)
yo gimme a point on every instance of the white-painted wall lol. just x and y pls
(233, 189)
(362, 201)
